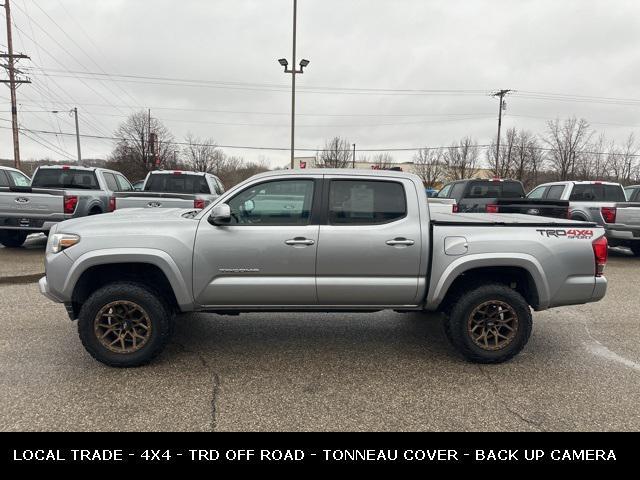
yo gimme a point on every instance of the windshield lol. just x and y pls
(177, 183)
(65, 178)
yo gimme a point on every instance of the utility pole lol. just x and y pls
(501, 107)
(12, 85)
(354, 155)
(75, 112)
(293, 71)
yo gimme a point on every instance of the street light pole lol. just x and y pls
(293, 71)
(293, 84)
(75, 112)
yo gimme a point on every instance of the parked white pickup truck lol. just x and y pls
(173, 189)
(319, 240)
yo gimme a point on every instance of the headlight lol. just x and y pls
(60, 241)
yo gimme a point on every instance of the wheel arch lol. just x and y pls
(521, 272)
(153, 268)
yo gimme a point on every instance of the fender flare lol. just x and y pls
(158, 258)
(469, 262)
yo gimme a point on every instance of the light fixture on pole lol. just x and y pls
(293, 71)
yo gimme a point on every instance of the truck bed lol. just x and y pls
(498, 219)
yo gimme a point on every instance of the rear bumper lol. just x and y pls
(618, 233)
(29, 224)
(580, 289)
(599, 289)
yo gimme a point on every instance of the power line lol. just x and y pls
(253, 147)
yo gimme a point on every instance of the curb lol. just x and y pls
(22, 279)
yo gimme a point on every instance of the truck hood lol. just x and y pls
(128, 219)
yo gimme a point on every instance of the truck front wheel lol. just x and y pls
(12, 238)
(124, 324)
(489, 324)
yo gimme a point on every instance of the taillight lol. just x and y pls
(600, 254)
(454, 208)
(491, 208)
(198, 204)
(609, 214)
(70, 202)
(112, 204)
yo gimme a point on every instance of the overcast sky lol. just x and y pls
(412, 72)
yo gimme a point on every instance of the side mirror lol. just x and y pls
(220, 215)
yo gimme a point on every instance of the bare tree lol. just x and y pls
(503, 168)
(461, 159)
(566, 140)
(336, 154)
(429, 165)
(133, 153)
(203, 155)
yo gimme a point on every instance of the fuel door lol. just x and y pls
(456, 246)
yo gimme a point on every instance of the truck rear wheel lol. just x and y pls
(12, 238)
(489, 324)
(124, 324)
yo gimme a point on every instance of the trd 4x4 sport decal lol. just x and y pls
(573, 233)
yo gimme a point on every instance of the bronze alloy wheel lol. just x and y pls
(492, 325)
(122, 326)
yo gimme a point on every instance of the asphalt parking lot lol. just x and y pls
(382, 371)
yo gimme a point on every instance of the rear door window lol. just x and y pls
(555, 192)
(360, 202)
(177, 183)
(4, 181)
(444, 192)
(111, 182)
(537, 193)
(123, 184)
(19, 180)
(65, 178)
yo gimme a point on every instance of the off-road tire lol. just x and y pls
(12, 238)
(457, 330)
(158, 312)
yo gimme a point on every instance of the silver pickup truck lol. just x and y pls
(604, 203)
(173, 189)
(319, 240)
(56, 193)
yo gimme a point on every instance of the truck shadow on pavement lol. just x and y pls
(294, 336)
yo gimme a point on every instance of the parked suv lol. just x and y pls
(604, 203)
(56, 193)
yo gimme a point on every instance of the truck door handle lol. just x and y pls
(400, 241)
(299, 241)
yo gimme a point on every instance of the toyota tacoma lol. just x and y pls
(318, 240)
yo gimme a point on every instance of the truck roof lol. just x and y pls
(336, 171)
(178, 172)
(579, 182)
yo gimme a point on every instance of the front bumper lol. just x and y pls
(46, 291)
